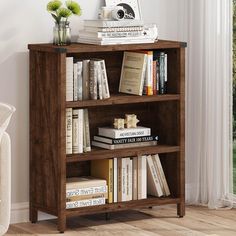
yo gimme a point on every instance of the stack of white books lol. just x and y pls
(109, 32)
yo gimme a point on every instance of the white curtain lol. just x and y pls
(209, 85)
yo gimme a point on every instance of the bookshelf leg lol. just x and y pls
(33, 215)
(108, 216)
(181, 210)
(61, 224)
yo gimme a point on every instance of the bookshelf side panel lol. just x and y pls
(47, 131)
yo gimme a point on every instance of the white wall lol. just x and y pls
(27, 21)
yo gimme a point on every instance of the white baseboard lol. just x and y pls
(20, 213)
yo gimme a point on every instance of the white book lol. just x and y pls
(139, 131)
(113, 29)
(69, 131)
(154, 185)
(116, 41)
(86, 136)
(112, 23)
(130, 179)
(85, 203)
(86, 71)
(105, 86)
(135, 178)
(124, 179)
(142, 177)
(115, 180)
(99, 81)
(75, 83)
(84, 182)
(93, 79)
(86, 191)
(80, 80)
(166, 76)
(69, 79)
(157, 163)
(75, 131)
(103, 35)
(149, 74)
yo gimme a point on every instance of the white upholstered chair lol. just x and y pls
(6, 112)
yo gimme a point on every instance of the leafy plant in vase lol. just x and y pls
(61, 14)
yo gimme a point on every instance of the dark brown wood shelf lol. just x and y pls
(98, 153)
(121, 206)
(49, 164)
(120, 99)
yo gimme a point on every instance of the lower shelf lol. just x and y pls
(121, 206)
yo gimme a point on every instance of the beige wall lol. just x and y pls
(27, 21)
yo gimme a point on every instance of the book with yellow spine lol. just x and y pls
(103, 169)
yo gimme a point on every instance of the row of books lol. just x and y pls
(144, 73)
(118, 180)
(77, 131)
(110, 138)
(86, 80)
(109, 32)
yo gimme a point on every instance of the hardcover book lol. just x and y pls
(133, 73)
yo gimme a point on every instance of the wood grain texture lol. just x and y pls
(161, 221)
(49, 164)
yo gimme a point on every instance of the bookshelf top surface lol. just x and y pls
(79, 48)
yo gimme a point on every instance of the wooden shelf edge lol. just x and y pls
(123, 99)
(106, 154)
(121, 206)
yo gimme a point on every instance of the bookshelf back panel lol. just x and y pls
(160, 117)
(169, 163)
(78, 169)
(114, 60)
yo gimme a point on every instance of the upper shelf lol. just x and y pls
(79, 48)
(120, 99)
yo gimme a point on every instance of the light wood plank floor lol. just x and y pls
(160, 221)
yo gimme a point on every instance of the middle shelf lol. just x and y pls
(98, 153)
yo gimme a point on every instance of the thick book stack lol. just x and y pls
(108, 32)
(77, 131)
(110, 138)
(144, 73)
(86, 80)
(85, 191)
(132, 178)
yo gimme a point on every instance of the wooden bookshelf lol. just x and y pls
(49, 164)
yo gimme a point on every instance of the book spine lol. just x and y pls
(135, 178)
(86, 138)
(114, 29)
(85, 203)
(75, 131)
(105, 86)
(149, 74)
(80, 130)
(69, 79)
(144, 178)
(75, 80)
(130, 176)
(99, 81)
(124, 180)
(86, 197)
(110, 184)
(162, 174)
(118, 134)
(128, 190)
(115, 181)
(162, 73)
(69, 131)
(154, 82)
(119, 180)
(86, 191)
(86, 79)
(80, 80)
(157, 76)
(144, 78)
(153, 176)
(166, 72)
(93, 80)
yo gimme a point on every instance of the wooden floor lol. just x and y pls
(198, 221)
